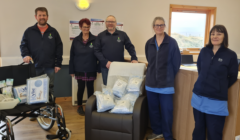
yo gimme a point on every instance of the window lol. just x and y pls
(190, 26)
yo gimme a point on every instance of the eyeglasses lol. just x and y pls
(85, 27)
(159, 25)
(110, 22)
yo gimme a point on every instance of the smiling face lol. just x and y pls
(85, 28)
(217, 38)
(41, 18)
(159, 27)
(111, 23)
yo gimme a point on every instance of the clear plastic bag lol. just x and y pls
(3, 84)
(107, 90)
(123, 107)
(97, 92)
(9, 82)
(37, 90)
(132, 97)
(7, 91)
(119, 88)
(104, 102)
(20, 92)
(134, 83)
(116, 99)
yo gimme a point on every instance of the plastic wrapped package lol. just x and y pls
(20, 92)
(7, 103)
(107, 90)
(37, 90)
(7, 91)
(119, 88)
(3, 84)
(134, 83)
(9, 82)
(123, 107)
(97, 92)
(104, 102)
(132, 97)
(116, 99)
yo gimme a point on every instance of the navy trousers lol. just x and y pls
(161, 113)
(212, 124)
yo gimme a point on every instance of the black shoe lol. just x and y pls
(81, 111)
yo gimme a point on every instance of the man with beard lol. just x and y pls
(42, 44)
(110, 47)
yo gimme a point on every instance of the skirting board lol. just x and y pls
(68, 99)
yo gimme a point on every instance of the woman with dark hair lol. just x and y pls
(218, 70)
(83, 63)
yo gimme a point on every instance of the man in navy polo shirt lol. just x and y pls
(42, 44)
(110, 47)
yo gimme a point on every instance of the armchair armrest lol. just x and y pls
(140, 118)
(89, 108)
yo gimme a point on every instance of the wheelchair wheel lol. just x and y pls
(46, 123)
(65, 135)
(9, 131)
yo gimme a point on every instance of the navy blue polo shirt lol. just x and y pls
(110, 47)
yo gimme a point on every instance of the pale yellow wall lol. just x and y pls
(137, 15)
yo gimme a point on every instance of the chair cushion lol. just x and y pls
(112, 122)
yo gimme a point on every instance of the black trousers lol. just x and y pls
(81, 88)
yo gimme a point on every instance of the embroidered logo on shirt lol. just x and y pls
(118, 40)
(50, 36)
(91, 45)
(220, 59)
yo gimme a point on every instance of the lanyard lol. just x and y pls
(156, 44)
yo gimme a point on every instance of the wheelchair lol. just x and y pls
(45, 113)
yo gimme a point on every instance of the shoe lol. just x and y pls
(81, 111)
(32, 118)
(154, 136)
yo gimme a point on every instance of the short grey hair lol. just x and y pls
(111, 16)
(157, 18)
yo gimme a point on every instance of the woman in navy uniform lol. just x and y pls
(164, 60)
(217, 71)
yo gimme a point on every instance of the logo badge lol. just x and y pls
(50, 36)
(91, 45)
(220, 59)
(118, 40)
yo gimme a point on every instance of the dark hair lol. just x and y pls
(42, 9)
(84, 20)
(221, 29)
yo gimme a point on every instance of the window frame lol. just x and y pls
(210, 19)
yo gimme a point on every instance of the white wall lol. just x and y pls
(137, 15)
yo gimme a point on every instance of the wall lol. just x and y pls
(137, 15)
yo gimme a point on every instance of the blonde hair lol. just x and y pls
(157, 18)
